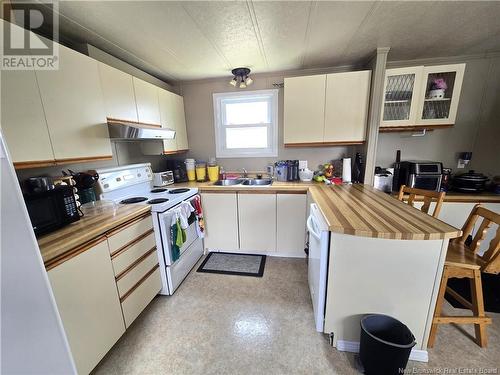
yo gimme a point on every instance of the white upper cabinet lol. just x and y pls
(118, 92)
(419, 96)
(167, 117)
(401, 96)
(304, 109)
(146, 97)
(23, 120)
(346, 106)
(74, 108)
(440, 93)
(180, 123)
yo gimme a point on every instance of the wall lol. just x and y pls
(123, 153)
(476, 129)
(198, 103)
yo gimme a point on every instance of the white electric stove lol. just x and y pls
(133, 184)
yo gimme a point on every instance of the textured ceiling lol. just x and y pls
(193, 40)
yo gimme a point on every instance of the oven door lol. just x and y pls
(426, 182)
(165, 221)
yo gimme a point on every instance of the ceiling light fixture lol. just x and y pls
(241, 78)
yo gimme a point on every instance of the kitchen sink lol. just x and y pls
(257, 182)
(228, 182)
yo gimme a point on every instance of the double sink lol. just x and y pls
(245, 182)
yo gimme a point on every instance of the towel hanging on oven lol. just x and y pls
(178, 227)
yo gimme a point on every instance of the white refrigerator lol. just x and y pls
(32, 336)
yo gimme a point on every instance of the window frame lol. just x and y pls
(220, 127)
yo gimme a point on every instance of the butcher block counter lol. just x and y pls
(355, 209)
(94, 224)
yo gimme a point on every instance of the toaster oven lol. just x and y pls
(163, 178)
(418, 174)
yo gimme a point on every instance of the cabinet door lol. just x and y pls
(74, 107)
(118, 92)
(180, 123)
(291, 224)
(167, 116)
(23, 120)
(221, 217)
(346, 106)
(257, 222)
(304, 109)
(440, 94)
(146, 97)
(87, 299)
(401, 96)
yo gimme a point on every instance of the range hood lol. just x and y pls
(123, 130)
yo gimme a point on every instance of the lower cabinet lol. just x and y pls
(87, 299)
(221, 217)
(257, 222)
(291, 224)
(100, 291)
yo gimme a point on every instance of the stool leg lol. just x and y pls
(478, 308)
(439, 306)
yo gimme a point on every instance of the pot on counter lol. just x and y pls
(470, 182)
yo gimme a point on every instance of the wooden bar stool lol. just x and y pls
(429, 196)
(463, 261)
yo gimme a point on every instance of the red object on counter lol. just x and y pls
(336, 181)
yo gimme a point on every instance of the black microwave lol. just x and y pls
(52, 209)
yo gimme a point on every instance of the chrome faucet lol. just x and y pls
(244, 173)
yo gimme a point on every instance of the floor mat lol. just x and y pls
(234, 264)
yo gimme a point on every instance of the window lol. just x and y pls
(246, 124)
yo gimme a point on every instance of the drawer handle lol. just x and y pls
(125, 247)
(134, 264)
(137, 284)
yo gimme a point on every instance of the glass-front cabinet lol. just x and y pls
(401, 96)
(440, 94)
(418, 96)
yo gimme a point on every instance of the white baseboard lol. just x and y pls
(269, 254)
(353, 347)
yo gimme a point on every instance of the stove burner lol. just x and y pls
(178, 191)
(134, 200)
(160, 190)
(157, 200)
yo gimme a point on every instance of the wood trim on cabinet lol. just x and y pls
(125, 247)
(387, 129)
(51, 163)
(83, 159)
(134, 264)
(121, 227)
(175, 152)
(34, 164)
(324, 144)
(121, 121)
(137, 284)
(73, 253)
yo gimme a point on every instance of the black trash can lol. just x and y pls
(385, 345)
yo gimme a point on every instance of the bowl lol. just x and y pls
(306, 175)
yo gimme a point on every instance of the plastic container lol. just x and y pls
(213, 172)
(190, 169)
(385, 345)
(201, 172)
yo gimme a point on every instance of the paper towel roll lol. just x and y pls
(346, 170)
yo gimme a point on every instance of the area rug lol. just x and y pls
(234, 264)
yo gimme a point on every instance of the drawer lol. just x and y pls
(123, 236)
(128, 255)
(139, 298)
(133, 275)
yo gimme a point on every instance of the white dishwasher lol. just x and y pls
(319, 242)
